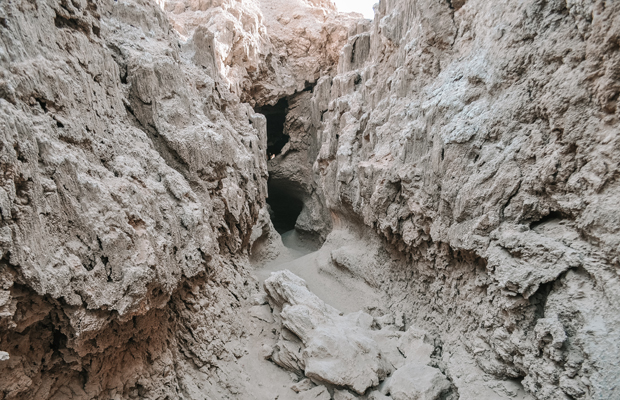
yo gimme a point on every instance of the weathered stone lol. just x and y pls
(303, 385)
(316, 393)
(468, 149)
(344, 395)
(336, 349)
(416, 381)
(413, 344)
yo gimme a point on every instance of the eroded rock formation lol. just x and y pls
(477, 141)
(131, 180)
(459, 159)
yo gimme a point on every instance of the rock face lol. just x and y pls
(266, 49)
(131, 179)
(479, 142)
(468, 149)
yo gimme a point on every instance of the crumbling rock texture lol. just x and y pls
(480, 142)
(466, 150)
(267, 49)
(344, 350)
(131, 179)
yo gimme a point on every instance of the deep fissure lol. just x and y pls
(276, 117)
(285, 205)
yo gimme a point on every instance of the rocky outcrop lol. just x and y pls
(272, 53)
(131, 179)
(477, 140)
(267, 49)
(346, 351)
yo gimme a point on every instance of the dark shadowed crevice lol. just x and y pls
(276, 116)
(552, 216)
(539, 298)
(289, 191)
(285, 206)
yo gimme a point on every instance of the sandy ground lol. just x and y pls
(334, 286)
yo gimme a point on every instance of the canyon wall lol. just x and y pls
(131, 180)
(479, 142)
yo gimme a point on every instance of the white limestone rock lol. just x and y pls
(337, 349)
(416, 381)
(303, 385)
(316, 393)
(344, 395)
(267, 49)
(414, 345)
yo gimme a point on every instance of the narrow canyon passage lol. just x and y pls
(272, 199)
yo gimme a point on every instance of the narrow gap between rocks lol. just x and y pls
(285, 205)
(276, 116)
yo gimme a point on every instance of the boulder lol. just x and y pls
(337, 349)
(416, 381)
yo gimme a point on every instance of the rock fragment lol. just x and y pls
(417, 381)
(336, 349)
(302, 385)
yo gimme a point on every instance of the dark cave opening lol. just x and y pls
(285, 206)
(276, 117)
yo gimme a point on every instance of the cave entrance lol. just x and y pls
(285, 206)
(276, 117)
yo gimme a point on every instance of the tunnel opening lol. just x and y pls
(287, 196)
(284, 207)
(276, 117)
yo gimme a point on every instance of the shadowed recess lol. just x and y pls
(284, 205)
(276, 116)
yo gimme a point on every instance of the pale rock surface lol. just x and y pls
(344, 395)
(374, 395)
(265, 243)
(416, 381)
(266, 49)
(479, 141)
(415, 345)
(387, 340)
(131, 179)
(465, 154)
(334, 348)
(317, 393)
(303, 385)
